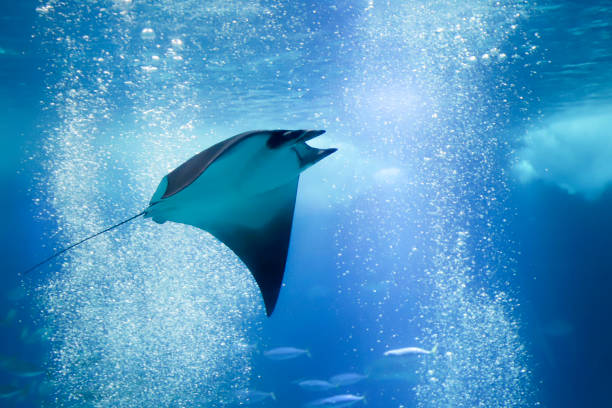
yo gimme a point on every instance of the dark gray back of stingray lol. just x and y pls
(188, 172)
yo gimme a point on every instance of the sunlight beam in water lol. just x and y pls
(155, 316)
(147, 315)
(449, 254)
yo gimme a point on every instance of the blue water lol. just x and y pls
(467, 207)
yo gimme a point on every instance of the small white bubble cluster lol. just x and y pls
(147, 34)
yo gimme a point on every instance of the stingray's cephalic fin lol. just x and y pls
(263, 248)
(280, 138)
(308, 155)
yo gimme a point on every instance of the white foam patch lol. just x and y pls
(572, 150)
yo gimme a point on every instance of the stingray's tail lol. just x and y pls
(61, 251)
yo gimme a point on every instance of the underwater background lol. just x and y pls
(466, 209)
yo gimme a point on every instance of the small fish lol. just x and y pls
(557, 328)
(316, 385)
(249, 397)
(337, 401)
(19, 368)
(285, 353)
(8, 52)
(37, 336)
(409, 351)
(9, 391)
(342, 380)
(9, 317)
(45, 388)
(394, 369)
(247, 346)
(16, 294)
(25, 333)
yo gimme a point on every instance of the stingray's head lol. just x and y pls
(279, 138)
(296, 140)
(160, 191)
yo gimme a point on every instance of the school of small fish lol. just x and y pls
(22, 373)
(392, 365)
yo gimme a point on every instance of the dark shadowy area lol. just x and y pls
(565, 272)
(21, 89)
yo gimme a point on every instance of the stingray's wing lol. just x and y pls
(188, 172)
(257, 229)
(263, 248)
(181, 177)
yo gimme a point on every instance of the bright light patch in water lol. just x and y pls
(571, 149)
(388, 101)
(387, 175)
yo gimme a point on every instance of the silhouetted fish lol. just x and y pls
(248, 397)
(285, 353)
(316, 385)
(345, 379)
(337, 401)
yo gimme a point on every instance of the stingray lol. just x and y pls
(242, 191)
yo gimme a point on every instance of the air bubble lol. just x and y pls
(147, 34)
(123, 4)
(177, 43)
